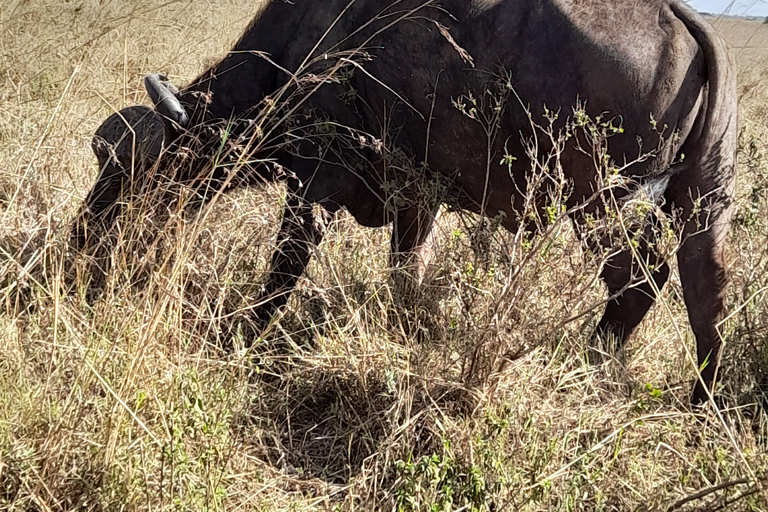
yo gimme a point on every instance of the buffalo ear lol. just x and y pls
(135, 135)
(163, 94)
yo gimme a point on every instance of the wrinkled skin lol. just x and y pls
(624, 58)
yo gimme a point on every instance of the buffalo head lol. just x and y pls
(127, 145)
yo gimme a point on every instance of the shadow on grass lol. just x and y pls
(321, 424)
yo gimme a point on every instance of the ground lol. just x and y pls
(478, 397)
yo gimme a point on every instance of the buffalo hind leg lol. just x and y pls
(297, 235)
(411, 245)
(703, 277)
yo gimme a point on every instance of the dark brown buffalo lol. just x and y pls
(345, 98)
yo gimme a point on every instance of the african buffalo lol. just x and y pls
(342, 98)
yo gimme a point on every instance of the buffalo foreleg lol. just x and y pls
(298, 234)
(411, 244)
(411, 249)
(631, 292)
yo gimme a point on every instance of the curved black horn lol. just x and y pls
(164, 99)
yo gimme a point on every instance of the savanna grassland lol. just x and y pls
(477, 396)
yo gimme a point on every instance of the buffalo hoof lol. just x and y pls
(241, 333)
(603, 345)
(699, 396)
(700, 399)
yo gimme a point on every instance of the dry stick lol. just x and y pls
(380, 16)
(328, 31)
(56, 321)
(40, 483)
(137, 359)
(741, 496)
(749, 39)
(707, 491)
(25, 271)
(385, 86)
(554, 225)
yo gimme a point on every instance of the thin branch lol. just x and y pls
(707, 491)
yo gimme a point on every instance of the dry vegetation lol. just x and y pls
(475, 398)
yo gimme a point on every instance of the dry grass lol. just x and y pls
(481, 400)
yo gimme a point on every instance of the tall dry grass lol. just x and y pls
(476, 397)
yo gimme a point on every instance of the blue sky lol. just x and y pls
(739, 7)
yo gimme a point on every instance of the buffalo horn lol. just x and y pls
(166, 103)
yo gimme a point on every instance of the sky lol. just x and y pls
(737, 7)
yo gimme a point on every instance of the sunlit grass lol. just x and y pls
(130, 403)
